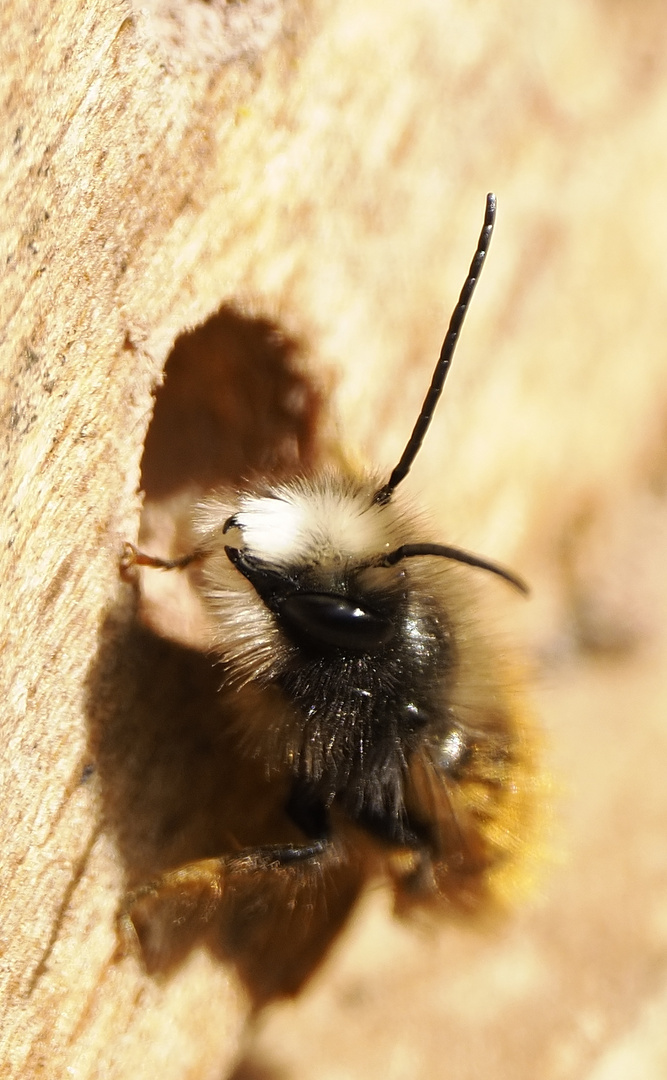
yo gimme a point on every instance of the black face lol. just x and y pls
(343, 619)
(334, 621)
(368, 675)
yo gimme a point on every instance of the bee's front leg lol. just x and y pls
(194, 892)
(131, 556)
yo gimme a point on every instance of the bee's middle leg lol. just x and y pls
(198, 888)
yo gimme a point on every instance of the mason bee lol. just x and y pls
(361, 683)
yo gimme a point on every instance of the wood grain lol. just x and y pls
(324, 167)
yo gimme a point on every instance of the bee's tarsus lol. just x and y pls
(133, 557)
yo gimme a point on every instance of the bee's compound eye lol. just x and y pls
(333, 621)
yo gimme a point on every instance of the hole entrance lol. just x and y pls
(236, 401)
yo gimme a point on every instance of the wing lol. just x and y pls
(477, 795)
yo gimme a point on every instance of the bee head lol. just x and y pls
(310, 551)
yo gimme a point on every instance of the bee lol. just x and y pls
(362, 683)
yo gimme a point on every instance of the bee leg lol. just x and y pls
(276, 856)
(196, 890)
(133, 557)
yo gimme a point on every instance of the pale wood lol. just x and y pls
(326, 166)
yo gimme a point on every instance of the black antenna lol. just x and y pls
(446, 551)
(444, 361)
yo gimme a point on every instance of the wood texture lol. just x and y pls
(324, 167)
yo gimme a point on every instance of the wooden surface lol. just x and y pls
(324, 167)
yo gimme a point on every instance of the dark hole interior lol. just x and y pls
(235, 402)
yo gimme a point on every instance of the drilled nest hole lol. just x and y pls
(235, 402)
